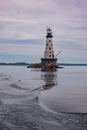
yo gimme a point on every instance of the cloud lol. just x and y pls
(22, 21)
(21, 49)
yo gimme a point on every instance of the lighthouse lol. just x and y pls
(49, 58)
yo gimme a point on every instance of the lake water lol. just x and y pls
(35, 100)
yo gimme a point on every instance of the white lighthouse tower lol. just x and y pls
(49, 52)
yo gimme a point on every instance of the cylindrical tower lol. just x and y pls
(49, 52)
(49, 58)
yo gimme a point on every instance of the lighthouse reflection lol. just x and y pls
(50, 79)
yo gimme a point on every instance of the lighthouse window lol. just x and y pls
(49, 48)
(47, 44)
(49, 55)
(49, 40)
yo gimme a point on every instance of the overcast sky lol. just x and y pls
(23, 28)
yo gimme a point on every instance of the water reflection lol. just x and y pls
(50, 79)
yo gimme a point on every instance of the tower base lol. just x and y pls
(48, 64)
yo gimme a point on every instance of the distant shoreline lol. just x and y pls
(69, 64)
(27, 64)
(16, 64)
